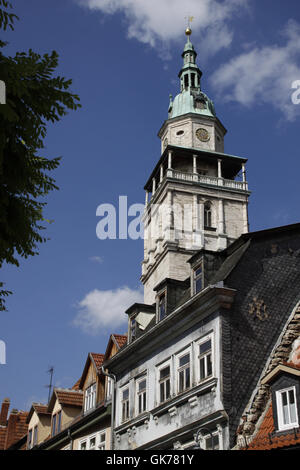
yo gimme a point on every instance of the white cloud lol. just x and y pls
(96, 259)
(157, 22)
(264, 75)
(102, 310)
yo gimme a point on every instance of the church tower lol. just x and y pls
(196, 196)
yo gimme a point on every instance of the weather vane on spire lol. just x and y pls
(188, 30)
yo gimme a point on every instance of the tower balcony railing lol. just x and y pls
(207, 179)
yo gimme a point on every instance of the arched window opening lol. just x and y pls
(207, 215)
(186, 81)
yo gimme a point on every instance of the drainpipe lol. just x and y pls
(71, 439)
(114, 379)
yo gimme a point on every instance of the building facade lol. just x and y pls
(216, 297)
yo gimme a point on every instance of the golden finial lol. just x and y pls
(188, 30)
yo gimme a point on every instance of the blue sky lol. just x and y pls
(124, 57)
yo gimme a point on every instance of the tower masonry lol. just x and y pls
(197, 195)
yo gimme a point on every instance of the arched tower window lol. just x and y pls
(207, 215)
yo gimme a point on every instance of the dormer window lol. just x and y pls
(198, 278)
(133, 327)
(287, 409)
(162, 307)
(90, 398)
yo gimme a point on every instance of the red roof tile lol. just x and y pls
(69, 397)
(121, 340)
(76, 384)
(265, 439)
(98, 360)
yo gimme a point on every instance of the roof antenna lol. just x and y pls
(50, 371)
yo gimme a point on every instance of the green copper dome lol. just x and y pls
(190, 99)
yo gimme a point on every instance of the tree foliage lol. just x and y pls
(34, 98)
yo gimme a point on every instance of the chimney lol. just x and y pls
(12, 425)
(4, 411)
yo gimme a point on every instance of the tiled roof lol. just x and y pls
(98, 360)
(76, 385)
(69, 397)
(266, 439)
(121, 340)
(40, 409)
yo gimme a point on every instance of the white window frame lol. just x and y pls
(159, 369)
(137, 395)
(198, 357)
(179, 368)
(196, 277)
(122, 390)
(90, 397)
(290, 425)
(109, 388)
(99, 444)
(102, 443)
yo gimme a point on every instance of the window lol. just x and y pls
(53, 429)
(205, 359)
(141, 396)
(162, 307)
(35, 430)
(198, 279)
(58, 422)
(208, 443)
(29, 443)
(193, 80)
(184, 376)
(90, 398)
(125, 404)
(94, 442)
(132, 329)
(186, 81)
(109, 388)
(101, 445)
(207, 215)
(164, 384)
(83, 445)
(286, 408)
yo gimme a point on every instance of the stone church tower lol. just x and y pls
(196, 196)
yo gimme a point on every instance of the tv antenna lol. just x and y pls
(50, 371)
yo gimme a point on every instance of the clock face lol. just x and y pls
(165, 142)
(202, 135)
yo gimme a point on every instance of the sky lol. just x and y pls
(124, 57)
